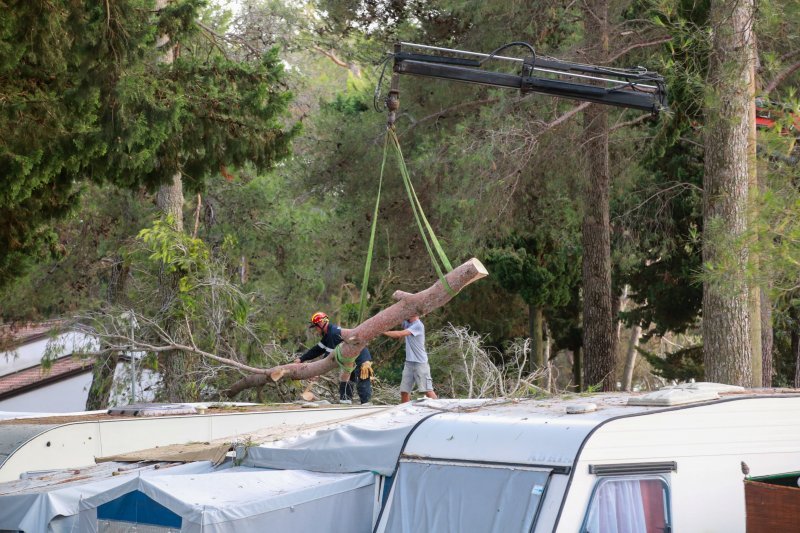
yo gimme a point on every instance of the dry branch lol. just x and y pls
(356, 339)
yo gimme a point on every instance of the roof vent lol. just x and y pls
(706, 386)
(673, 396)
(578, 408)
(153, 409)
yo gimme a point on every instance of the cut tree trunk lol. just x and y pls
(356, 339)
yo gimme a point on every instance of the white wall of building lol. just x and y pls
(147, 383)
(31, 354)
(66, 396)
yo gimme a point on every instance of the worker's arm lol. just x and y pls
(313, 353)
(399, 334)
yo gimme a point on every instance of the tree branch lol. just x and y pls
(172, 346)
(337, 61)
(781, 76)
(566, 116)
(637, 120)
(463, 105)
(635, 46)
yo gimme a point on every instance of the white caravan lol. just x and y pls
(673, 460)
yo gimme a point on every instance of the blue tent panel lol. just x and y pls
(138, 508)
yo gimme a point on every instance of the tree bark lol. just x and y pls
(727, 352)
(598, 324)
(536, 323)
(356, 339)
(754, 311)
(548, 348)
(175, 364)
(105, 364)
(102, 381)
(169, 200)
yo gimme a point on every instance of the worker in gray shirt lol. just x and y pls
(416, 369)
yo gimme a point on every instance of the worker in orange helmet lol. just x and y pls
(361, 376)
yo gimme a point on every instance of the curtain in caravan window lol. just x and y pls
(448, 497)
(627, 506)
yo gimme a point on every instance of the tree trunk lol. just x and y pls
(548, 346)
(577, 370)
(173, 365)
(536, 323)
(103, 372)
(727, 352)
(620, 306)
(766, 340)
(598, 326)
(169, 199)
(630, 358)
(105, 364)
(356, 339)
(754, 309)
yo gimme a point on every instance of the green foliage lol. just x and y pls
(86, 96)
(91, 242)
(542, 273)
(681, 365)
(660, 256)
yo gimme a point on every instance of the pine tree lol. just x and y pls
(85, 98)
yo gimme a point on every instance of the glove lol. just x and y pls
(366, 371)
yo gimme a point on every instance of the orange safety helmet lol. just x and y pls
(319, 319)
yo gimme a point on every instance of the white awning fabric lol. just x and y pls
(25, 507)
(245, 500)
(369, 444)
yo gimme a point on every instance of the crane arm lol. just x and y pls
(635, 88)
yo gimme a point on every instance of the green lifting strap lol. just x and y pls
(346, 364)
(419, 216)
(362, 307)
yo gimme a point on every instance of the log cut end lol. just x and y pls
(277, 375)
(480, 270)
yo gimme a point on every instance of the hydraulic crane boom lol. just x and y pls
(635, 88)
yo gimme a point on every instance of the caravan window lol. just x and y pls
(448, 496)
(628, 505)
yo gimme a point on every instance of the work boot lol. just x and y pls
(344, 397)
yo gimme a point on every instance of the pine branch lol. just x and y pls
(781, 77)
(636, 46)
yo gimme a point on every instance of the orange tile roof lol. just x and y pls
(37, 376)
(16, 334)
